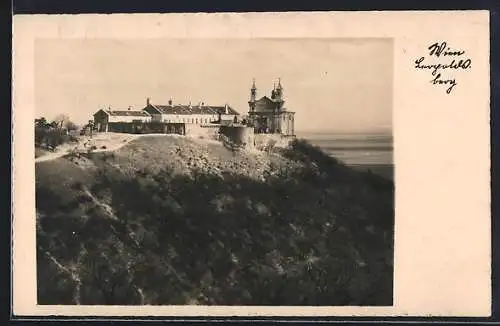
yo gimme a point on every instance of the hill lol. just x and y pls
(169, 220)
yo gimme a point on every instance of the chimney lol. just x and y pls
(200, 103)
(129, 107)
(170, 102)
(147, 101)
(226, 109)
(189, 104)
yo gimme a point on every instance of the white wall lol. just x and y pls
(229, 117)
(193, 118)
(181, 118)
(127, 119)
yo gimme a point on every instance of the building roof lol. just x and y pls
(126, 113)
(194, 109)
(265, 104)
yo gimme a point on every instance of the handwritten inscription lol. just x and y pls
(441, 61)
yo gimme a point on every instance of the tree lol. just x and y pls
(41, 123)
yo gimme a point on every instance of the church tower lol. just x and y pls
(253, 94)
(277, 95)
(279, 91)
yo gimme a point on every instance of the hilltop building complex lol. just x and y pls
(266, 115)
(175, 117)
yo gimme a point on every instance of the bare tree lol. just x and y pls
(53, 125)
(61, 120)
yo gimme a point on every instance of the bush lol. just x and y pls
(52, 138)
(39, 136)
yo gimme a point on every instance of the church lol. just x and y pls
(269, 115)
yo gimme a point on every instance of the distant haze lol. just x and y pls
(334, 85)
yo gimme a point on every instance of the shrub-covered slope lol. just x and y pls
(167, 220)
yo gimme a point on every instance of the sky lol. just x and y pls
(342, 85)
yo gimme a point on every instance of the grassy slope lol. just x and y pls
(166, 220)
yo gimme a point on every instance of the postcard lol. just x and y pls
(252, 164)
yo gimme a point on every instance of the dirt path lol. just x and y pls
(101, 140)
(110, 141)
(50, 156)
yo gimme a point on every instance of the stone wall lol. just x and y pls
(262, 141)
(239, 135)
